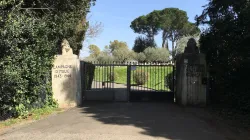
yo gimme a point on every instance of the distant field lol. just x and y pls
(155, 81)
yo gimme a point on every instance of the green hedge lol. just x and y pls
(25, 62)
(140, 77)
(29, 41)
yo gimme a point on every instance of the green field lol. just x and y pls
(155, 81)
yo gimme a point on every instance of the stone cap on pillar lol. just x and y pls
(67, 51)
(191, 47)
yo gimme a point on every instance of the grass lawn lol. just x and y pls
(35, 114)
(155, 81)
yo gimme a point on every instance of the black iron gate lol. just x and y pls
(128, 81)
(151, 82)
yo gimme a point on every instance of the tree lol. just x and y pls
(141, 43)
(114, 45)
(147, 25)
(141, 57)
(226, 45)
(151, 54)
(105, 58)
(162, 55)
(94, 51)
(132, 55)
(175, 24)
(122, 54)
(172, 21)
(118, 50)
(94, 30)
(107, 50)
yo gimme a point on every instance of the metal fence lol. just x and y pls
(142, 78)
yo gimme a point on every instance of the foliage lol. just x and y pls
(119, 51)
(112, 76)
(122, 55)
(182, 43)
(141, 43)
(90, 59)
(132, 55)
(94, 51)
(162, 55)
(140, 77)
(169, 81)
(156, 55)
(107, 50)
(147, 25)
(172, 21)
(28, 45)
(226, 45)
(115, 45)
(105, 58)
(68, 18)
(94, 29)
(175, 24)
(151, 54)
(141, 57)
(25, 78)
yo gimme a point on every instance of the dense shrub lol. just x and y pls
(140, 57)
(122, 54)
(29, 41)
(151, 54)
(226, 45)
(26, 77)
(162, 55)
(156, 54)
(104, 58)
(169, 81)
(140, 77)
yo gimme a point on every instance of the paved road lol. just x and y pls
(119, 121)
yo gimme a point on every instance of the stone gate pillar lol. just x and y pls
(191, 73)
(66, 83)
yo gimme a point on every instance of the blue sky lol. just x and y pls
(116, 16)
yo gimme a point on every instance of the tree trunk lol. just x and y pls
(163, 43)
(151, 37)
(164, 40)
(167, 45)
(173, 49)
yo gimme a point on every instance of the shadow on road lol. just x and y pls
(159, 120)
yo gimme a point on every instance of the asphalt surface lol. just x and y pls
(119, 121)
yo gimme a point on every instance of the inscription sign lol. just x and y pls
(62, 71)
(195, 70)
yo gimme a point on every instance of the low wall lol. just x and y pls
(119, 95)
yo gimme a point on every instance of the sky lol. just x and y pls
(117, 15)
